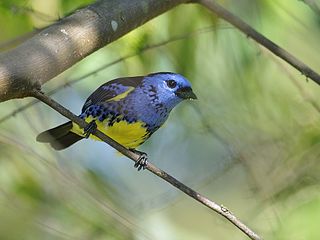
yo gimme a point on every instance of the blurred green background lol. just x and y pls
(250, 142)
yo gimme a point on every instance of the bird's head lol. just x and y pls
(170, 88)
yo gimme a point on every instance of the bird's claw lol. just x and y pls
(89, 129)
(142, 162)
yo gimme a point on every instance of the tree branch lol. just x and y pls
(213, 6)
(59, 46)
(160, 173)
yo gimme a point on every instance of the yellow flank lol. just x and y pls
(130, 135)
(122, 95)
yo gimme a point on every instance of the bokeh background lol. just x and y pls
(251, 141)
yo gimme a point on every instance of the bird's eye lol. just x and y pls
(171, 83)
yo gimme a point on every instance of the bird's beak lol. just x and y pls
(186, 93)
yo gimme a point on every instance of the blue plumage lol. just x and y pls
(129, 110)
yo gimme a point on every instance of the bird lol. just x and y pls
(128, 110)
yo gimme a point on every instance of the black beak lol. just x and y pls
(186, 93)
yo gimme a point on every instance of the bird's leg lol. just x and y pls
(90, 128)
(142, 161)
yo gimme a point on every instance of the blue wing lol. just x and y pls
(113, 90)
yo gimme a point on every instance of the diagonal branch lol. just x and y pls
(213, 6)
(155, 170)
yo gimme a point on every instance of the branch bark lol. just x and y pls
(223, 13)
(66, 42)
(155, 170)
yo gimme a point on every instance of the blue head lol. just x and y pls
(170, 88)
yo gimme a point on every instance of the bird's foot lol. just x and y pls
(142, 162)
(90, 128)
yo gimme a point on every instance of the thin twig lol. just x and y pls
(259, 38)
(160, 173)
(305, 94)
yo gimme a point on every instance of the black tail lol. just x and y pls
(59, 137)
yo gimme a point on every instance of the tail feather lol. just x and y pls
(65, 141)
(59, 137)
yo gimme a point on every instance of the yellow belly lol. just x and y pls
(130, 135)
